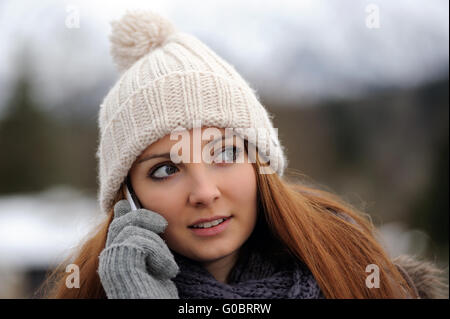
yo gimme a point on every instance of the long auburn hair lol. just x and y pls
(302, 221)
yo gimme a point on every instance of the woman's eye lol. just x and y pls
(229, 155)
(162, 172)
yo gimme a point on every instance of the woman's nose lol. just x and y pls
(204, 190)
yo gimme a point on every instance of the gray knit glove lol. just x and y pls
(136, 262)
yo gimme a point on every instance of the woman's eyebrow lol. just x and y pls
(149, 157)
(167, 155)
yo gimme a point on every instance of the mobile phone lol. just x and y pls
(131, 196)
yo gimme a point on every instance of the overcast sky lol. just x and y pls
(295, 50)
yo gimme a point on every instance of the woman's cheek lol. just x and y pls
(173, 227)
(167, 235)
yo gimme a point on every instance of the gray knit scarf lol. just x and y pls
(254, 276)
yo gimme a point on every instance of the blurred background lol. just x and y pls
(358, 89)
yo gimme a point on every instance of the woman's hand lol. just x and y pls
(136, 262)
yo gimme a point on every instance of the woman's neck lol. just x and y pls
(220, 268)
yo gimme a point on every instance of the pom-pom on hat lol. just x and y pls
(170, 79)
(136, 35)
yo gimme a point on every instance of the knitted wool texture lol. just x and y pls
(255, 277)
(170, 79)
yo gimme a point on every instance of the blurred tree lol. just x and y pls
(41, 149)
(26, 140)
(430, 210)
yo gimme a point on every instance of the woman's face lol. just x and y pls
(189, 192)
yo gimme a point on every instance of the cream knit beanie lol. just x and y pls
(170, 79)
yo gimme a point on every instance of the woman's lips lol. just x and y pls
(211, 231)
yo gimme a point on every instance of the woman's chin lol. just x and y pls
(211, 256)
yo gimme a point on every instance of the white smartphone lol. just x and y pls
(131, 196)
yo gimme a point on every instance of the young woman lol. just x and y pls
(228, 225)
